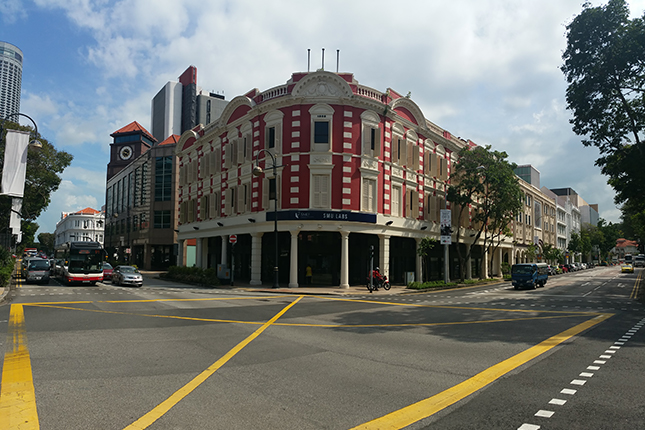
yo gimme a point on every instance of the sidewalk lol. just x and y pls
(284, 289)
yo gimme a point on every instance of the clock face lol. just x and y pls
(126, 152)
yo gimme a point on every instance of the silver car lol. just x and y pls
(127, 275)
(37, 270)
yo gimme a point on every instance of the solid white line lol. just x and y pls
(544, 414)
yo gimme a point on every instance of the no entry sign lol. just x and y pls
(232, 239)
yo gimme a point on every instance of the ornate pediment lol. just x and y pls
(322, 84)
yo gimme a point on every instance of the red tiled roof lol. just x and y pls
(623, 243)
(172, 139)
(88, 211)
(134, 127)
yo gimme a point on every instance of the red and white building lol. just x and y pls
(358, 168)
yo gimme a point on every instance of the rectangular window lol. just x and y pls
(320, 191)
(369, 195)
(271, 138)
(162, 219)
(321, 132)
(163, 179)
(395, 203)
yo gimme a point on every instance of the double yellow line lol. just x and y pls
(637, 285)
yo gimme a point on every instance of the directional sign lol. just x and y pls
(232, 239)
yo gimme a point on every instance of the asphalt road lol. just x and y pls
(170, 357)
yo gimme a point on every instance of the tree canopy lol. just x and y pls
(485, 180)
(43, 169)
(604, 65)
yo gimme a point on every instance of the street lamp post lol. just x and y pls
(15, 167)
(258, 171)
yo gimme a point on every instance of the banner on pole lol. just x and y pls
(445, 224)
(14, 169)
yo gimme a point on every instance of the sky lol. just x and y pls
(485, 70)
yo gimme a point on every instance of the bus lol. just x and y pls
(628, 259)
(82, 262)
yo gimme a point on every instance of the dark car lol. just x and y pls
(107, 271)
(127, 275)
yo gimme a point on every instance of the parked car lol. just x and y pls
(626, 268)
(37, 270)
(107, 271)
(127, 275)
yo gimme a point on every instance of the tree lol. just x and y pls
(47, 242)
(604, 65)
(575, 244)
(43, 169)
(423, 251)
(484, 180)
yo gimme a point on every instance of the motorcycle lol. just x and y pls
(378, 283)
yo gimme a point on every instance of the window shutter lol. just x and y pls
(365, 134)
(249, 148)
(218, 160)
(366, 202)
(227, 156)
(377, 142)
(212, 206)
(407, 203)
(324, 191)
(409, 162)
(191, 211)
(394, 150)
(316, 191)
(278, 138)
(206, 169)
(415, 157)
(415, 204)
(278, 193)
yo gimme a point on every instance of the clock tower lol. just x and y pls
(129, 143)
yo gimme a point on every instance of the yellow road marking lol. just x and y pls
(637, 284)
(559, 315)
(167, 404)
(428, 407)
(17, 395)
(210, 299)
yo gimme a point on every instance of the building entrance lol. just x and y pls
(321, 252)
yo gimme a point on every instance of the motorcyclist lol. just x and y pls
(378, 278)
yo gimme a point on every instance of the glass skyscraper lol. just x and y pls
(10, 79)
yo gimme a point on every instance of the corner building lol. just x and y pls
(358, 168)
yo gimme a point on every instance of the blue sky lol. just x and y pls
(485, 70)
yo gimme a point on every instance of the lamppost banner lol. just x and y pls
(15, 163)
(445, 224)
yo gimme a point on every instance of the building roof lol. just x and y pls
(170, 140)
(624, 243)
(134, 127)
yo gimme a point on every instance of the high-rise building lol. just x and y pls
(10, 79)
(180, 106)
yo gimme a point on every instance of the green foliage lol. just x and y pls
(43, 169)
(425, 246)
(6, 266)
(439, 285)
(192, 275)
(485, 180)
(604, 65)
(506, 268)
(46, 241)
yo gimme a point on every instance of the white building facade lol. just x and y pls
(87, 225)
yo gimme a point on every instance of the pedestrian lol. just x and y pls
(308, 274)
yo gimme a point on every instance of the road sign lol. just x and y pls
(232, 239)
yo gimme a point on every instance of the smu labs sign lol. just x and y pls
(315, 215)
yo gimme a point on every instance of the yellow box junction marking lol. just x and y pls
(17, 396)
(167, 404)
(428, 407)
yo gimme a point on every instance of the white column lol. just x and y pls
(484, 274)
(181, 253)
(293, 260)
(256, 258)
(199, 252)
(224, 250)
(344, 259)
(419, 266)
(384, 254)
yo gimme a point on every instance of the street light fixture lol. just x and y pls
(258, 171)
